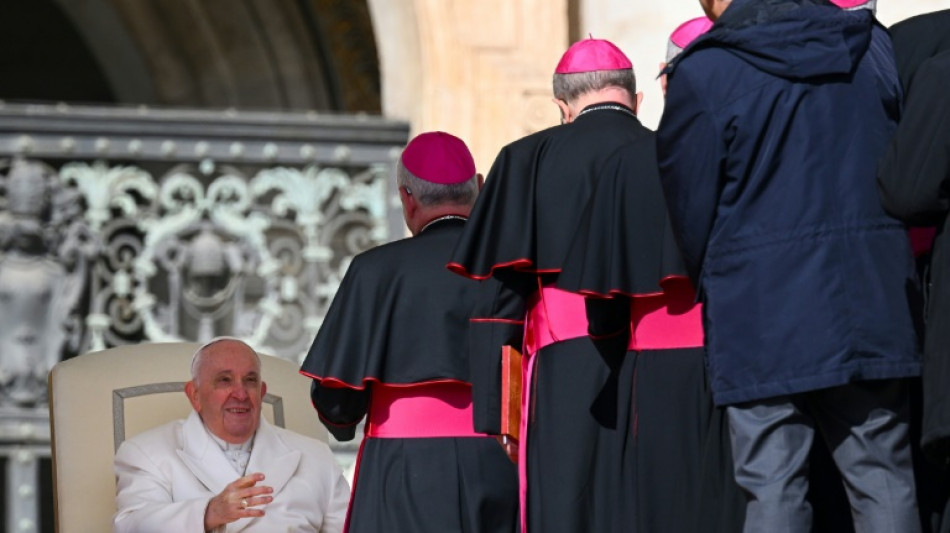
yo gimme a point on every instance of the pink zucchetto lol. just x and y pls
(855, 4)
(439, 157)
(684, 34)
(590, 55)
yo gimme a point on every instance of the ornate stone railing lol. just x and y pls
(126, 225)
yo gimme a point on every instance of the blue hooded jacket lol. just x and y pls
(773, 125)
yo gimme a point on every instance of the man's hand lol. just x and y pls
(238, 500)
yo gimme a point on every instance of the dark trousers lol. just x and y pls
(864, 424)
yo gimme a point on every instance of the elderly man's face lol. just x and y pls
(228, 390)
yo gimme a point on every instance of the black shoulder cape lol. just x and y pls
(624, 243)
(917, 39)
(535, 193)
(399, 316)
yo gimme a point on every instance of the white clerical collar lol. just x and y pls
(607, 107)
(441, 218)
(238, 454)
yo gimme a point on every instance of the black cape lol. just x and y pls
(918, 39)
(624, 243)
(399, 317)
(535, 193)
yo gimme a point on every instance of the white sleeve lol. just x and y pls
(144, 498)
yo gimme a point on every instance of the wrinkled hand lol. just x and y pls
(240, 499)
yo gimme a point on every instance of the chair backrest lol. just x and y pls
(99, 399)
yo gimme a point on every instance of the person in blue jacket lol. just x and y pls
(767, 148)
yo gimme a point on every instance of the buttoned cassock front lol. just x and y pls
(166, 476)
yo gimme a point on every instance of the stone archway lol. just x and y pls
(478, 69)
(279, 55)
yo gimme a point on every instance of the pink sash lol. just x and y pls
(921, 239)
(441, 409)
(420, 410)
(668, 320)
(658, 322)
(663, 321)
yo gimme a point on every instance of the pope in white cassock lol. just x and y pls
(224, 468)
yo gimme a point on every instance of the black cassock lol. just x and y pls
(589, 467)
(914, 179)
(401, 319)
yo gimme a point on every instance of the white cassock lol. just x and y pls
(166, 476)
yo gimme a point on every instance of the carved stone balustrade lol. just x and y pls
(127, 225)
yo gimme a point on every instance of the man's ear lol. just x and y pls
(662, 78)
(191, 390)
(263, 389)
(409, 204)
(565, 110)
(637, 100)
(481, 181)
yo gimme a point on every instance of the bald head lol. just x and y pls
(215, 345)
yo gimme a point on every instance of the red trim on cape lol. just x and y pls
(617, 292)
(334, 424)
(518, 265)
(337, 383)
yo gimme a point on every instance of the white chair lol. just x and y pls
(99, 399)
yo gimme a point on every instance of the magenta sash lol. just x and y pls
(662, 321)
(668, 320)
(418, 410)
(434, 409)
(921, 239)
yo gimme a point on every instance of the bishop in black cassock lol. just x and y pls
(584, 463)
(394, 347)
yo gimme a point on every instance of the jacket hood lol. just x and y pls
(792, 39)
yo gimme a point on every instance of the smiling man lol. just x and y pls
(225, 468)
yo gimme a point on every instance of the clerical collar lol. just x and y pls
(607, 106)
(440, 219)
(238, 454)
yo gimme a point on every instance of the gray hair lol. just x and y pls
(198, 357)
(870, 4)
(568, 87)
(430, 194)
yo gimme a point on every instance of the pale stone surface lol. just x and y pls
(641, 30)
(482, 70)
